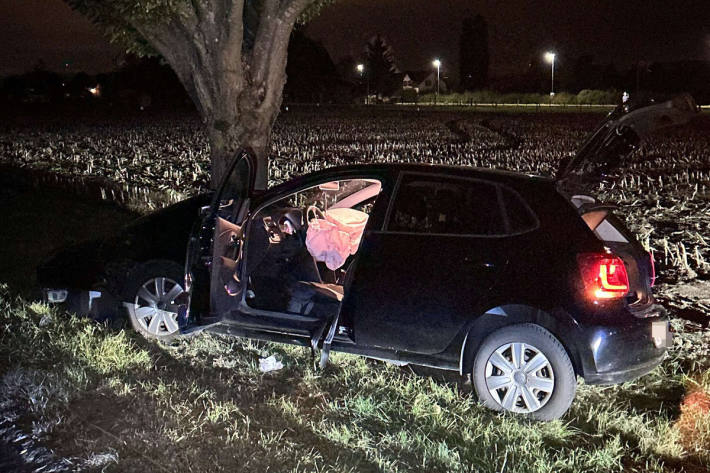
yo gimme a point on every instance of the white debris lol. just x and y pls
(269, 364)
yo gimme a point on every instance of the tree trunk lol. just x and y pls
(245, 129)
(236, 86)
(224, 147)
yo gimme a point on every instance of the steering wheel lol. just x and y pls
(282, 225)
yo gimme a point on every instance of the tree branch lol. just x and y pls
(268, 58)
(293, 8)
(198, 8)
(173, 41)
(271, 59)
(263, 41)
(233, 34)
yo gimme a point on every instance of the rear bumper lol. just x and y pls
(619, 354)
(621, 376)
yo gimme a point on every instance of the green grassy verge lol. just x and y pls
(497, 108)
(106, 400)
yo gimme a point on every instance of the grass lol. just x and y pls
(102, 399)
(82, 397)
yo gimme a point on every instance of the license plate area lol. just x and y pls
(661, 334)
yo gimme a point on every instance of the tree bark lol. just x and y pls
(237, 88)
(249, 129)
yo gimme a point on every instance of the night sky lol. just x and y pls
(622, 31)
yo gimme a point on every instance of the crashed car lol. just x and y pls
(520, 283)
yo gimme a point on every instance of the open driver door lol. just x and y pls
(215, 246)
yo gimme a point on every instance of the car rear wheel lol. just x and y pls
(524, 369)
(153, 296)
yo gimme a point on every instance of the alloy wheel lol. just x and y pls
(155, 308)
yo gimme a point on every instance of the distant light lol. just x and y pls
(437, 64)
(360, 68)
(550, 57)
(95, 91)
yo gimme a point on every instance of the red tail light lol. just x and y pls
(604, 276)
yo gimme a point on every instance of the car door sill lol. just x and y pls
(301, 339)
(398, 357)
(246, 310)
(287, 325)
(195, 329)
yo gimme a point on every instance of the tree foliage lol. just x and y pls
(380, 67)
(118, 17)
(312, 76)
(230, 55)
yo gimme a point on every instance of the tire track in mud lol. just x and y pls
(20, 450)
(462, 128)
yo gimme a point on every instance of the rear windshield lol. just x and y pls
(606, 231)
(605, 226)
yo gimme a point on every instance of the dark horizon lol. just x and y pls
(418, 30)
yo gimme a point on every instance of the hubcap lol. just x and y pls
(519, 377)
(155, 308)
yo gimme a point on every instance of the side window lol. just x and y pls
(520, 217)
(440, 205)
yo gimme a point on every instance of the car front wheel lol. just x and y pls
(524, 369)
(152, 297)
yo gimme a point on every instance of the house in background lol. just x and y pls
(422, 82)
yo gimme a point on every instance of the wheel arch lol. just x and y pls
(560, 325)
(138, 266)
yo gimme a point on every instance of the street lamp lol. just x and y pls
(437, 64)
(361, 69)
(550, 57)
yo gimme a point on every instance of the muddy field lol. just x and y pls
(149, 161)
(76, 396)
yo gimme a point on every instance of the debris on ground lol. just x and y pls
(269, 364)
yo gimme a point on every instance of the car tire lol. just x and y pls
(152, 295)
(524, 369)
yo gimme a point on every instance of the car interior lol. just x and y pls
(301, 248)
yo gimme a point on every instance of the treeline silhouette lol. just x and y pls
(313, 77)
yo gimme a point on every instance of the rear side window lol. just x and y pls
(520, 217)
(442, 205)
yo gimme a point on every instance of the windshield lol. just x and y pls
(337, 194)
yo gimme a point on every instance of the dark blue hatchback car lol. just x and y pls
(521, 283)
